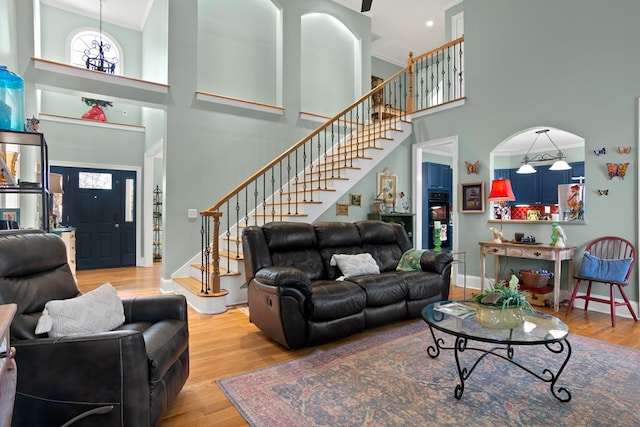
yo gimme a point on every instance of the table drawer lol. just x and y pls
(534, 253)
(494, 250)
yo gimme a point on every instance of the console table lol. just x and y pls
(535, 251)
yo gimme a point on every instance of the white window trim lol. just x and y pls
(117, 48)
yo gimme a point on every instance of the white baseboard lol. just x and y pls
(473, 282)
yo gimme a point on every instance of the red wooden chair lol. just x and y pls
(606, 248)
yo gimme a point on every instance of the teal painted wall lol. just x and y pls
(56, 24)
(8, 38)
(531, 63)
(527, 64)
(243, 33)
(383, 69)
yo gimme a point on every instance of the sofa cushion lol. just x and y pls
(289, 236)
(421, 285)
(355, 265)
(336, 234)
(386, 255)
(99, 310)
(308, 261)
(333, 300)
(382, 289)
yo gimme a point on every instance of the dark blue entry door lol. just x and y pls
(100, 204)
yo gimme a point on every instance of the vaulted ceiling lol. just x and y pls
(397, 27)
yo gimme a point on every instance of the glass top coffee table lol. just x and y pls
(457, 319)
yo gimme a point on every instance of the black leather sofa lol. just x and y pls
(293, 294)
(124, 377)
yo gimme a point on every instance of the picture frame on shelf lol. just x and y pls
(10, 214)
(472, 197)
(355, 200)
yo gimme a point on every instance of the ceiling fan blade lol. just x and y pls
(366, 5)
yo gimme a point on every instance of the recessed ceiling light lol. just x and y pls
(429, 23)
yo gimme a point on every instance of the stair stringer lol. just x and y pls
(235, 285)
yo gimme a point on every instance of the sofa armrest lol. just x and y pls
(155, 308)
(285, 277)
(61, 378)
(435, 262)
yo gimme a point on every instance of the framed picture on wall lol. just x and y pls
(342, 209)
(387, 187)
(472, 197)
(355, 199)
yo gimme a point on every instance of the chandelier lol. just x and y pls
(560, 163)
(94, 57)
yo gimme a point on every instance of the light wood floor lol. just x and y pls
(227, 344)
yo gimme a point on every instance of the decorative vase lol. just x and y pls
(493, 317)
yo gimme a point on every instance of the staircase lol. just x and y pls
(311, 176)
(286, 204)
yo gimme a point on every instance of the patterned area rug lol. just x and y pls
(389, 380)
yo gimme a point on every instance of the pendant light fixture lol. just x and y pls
(94, 57)
(560, 163)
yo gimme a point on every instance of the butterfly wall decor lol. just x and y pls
(617, 169)
(603, 192)
(471, 167)
(603, 150)
(624, 150)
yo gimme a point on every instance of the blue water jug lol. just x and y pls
(11, 100)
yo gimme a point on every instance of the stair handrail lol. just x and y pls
(211, 279)
(299, 144)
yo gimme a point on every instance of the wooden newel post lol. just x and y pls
(410, 68)
(215, 256)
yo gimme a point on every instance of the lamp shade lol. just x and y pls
(526, 168)
(55, 183)
(501, 191)
(560, 165)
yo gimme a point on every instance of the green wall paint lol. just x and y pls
(527, 63)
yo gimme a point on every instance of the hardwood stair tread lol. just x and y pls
(279, 215)
(223, 272)
(231, 255)
(194, 286)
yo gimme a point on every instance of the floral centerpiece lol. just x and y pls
(503, 306)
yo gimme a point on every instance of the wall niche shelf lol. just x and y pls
(123, 81)
(87, 122)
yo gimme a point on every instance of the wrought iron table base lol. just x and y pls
(558, 347)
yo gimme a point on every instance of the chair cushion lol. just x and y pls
(604, 270)
(99, 310)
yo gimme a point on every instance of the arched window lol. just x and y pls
(86, 42)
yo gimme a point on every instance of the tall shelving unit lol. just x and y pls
(39, 188)
(157, 224)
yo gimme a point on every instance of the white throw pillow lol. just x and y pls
(99, 310)
(355, 265)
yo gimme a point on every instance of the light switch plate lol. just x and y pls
(192, 213)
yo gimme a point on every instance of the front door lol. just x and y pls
(100, 204)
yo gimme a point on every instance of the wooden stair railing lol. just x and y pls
(280, 189)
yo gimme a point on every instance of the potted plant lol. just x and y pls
(503, 306)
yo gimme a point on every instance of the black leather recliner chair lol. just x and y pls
(125, 377)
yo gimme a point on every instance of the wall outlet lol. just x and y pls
(192, 213)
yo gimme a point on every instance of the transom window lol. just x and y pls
(95, 181)
(82, 41)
